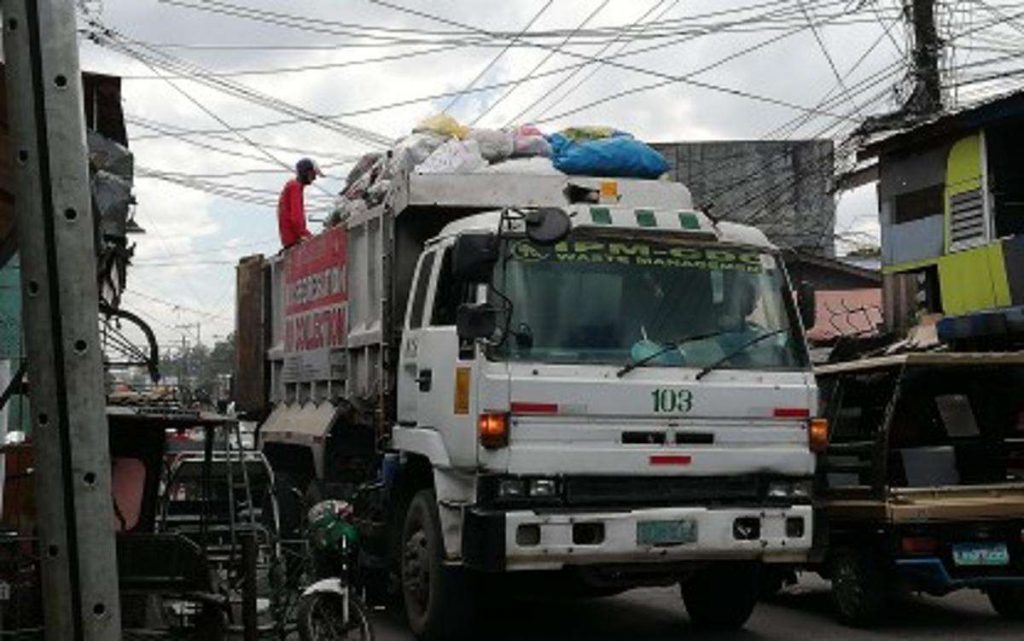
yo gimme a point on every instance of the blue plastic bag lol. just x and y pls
(620, 156)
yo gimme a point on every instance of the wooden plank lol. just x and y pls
(250, 338)
(985, 507)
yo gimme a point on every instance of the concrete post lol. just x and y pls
(55, 232)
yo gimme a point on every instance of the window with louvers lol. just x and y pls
(966, 219)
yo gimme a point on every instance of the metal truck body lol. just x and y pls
(660, 467)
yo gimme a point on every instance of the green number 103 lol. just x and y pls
(672, 400)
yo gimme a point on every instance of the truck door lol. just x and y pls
(409, 374)
(431, 367)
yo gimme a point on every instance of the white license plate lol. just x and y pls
(663, 533)
(981, 554)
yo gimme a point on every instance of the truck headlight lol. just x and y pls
(543, 487)
(511, 488)
(789, 489)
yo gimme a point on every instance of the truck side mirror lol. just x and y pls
(806, 303)
(474, 256)
(476, 320)
(547, 226)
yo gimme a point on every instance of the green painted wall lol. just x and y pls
(11, 343)
(974, 279)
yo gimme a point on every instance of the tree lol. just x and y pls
(202, 370)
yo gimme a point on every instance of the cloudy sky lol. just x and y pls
(330, 78)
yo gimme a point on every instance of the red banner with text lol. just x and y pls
(316, 297)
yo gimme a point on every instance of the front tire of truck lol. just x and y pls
(722, 596)
(438, 603)
(1008, 602)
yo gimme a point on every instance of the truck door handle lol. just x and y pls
(425, 378)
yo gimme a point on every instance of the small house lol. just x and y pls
(951, 208)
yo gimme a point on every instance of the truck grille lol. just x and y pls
(586, 491)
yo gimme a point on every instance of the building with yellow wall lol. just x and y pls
(951, 208)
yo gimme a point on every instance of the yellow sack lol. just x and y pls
(583, 134)
(442, 125)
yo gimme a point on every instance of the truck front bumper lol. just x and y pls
(497, 540)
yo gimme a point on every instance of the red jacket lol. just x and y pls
(291, 214)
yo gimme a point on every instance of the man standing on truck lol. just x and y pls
(291, 210)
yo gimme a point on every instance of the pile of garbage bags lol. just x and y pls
(441, 145)
(111, 176)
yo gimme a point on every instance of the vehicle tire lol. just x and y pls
(319, 618)
(859, 586)
(1008, 602)
(438, 603)
(722, 596)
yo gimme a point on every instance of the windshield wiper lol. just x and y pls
(739, 350)
(668, 347)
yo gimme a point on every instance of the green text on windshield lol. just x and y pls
(614, 302)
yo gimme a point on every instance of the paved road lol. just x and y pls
(802, 612)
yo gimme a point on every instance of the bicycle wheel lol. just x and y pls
(320, 617)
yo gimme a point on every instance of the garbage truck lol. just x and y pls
(576, 379)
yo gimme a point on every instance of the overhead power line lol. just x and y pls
(326, 66)
(140, 51)
(212, 114)
(495, 59)
(542, 62)
(825, 52)
(688, 77)
(169, 303)
(374, 36)
(562, 81)
(741, 93)
(326, 158)
(594, 70)
(832, 20)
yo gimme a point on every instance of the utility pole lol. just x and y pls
(182, 368)
(60, 316)
(197, 326)
(182, 365)
(926, 97)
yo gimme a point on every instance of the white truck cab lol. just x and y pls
(695, 454)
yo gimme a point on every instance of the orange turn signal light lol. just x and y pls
(817, 434)
(492, 428)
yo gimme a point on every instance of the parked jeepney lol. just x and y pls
(922, 485)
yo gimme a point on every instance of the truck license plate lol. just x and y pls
(981, 554)
(662, 533)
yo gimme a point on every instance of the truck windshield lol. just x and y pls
(616, 302)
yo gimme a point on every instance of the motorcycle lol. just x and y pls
(329, 609)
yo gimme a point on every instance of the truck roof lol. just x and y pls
(651, 205)
(487, 190)
(679, 221)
